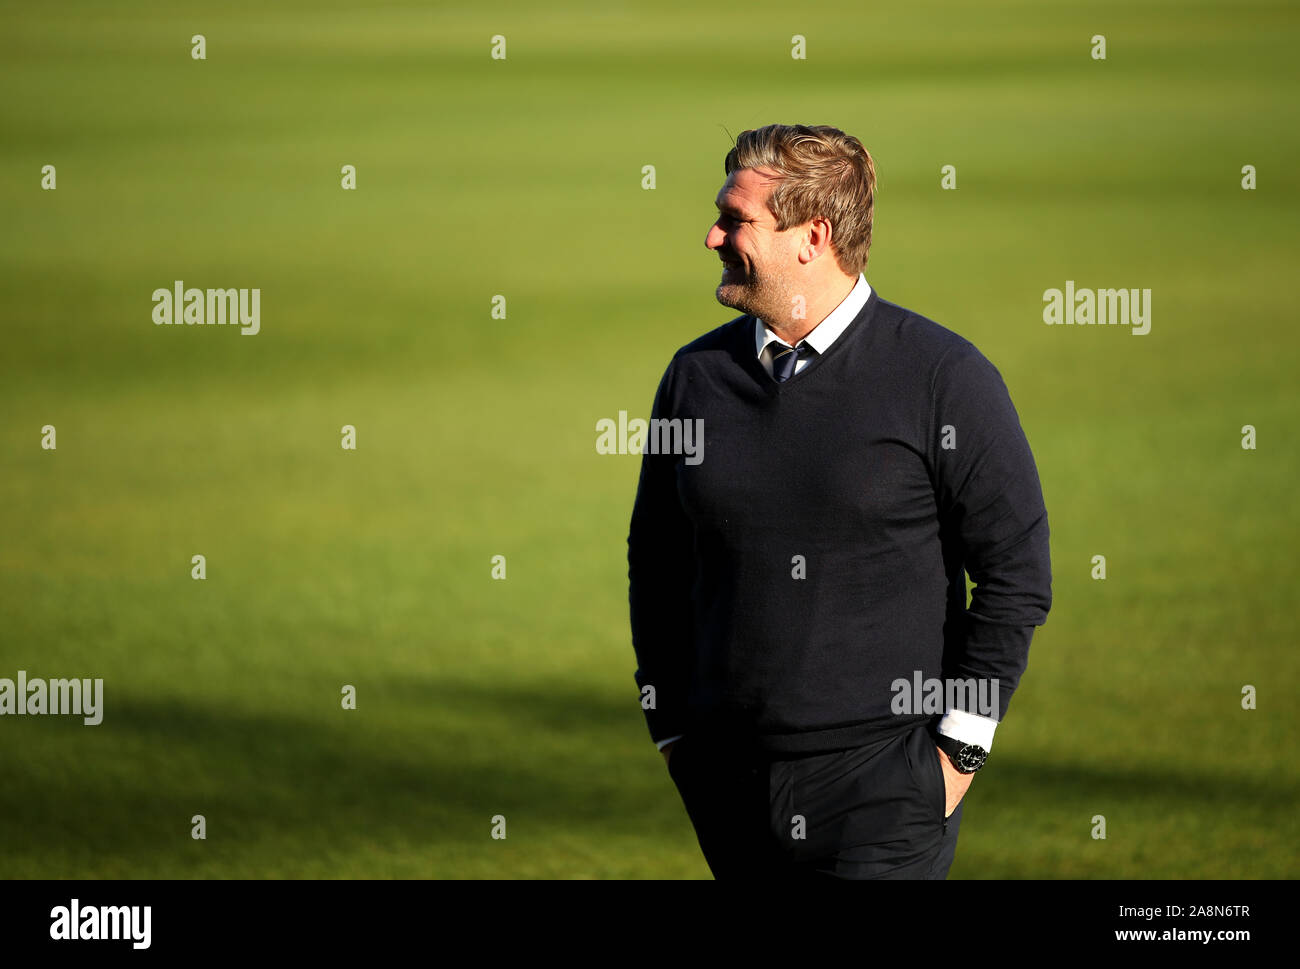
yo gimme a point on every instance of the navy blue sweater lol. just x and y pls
(889, 464)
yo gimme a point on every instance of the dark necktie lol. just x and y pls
(785, 359)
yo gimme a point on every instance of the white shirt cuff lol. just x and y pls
(969, 728)
(660, 744)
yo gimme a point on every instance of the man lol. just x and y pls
(794, 584)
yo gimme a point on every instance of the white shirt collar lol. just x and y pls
(828, 330)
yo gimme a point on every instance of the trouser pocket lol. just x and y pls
(927, 770)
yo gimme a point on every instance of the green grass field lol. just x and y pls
(475, 436)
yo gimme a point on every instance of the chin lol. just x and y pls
(731, 295)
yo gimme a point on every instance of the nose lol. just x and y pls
(715, 237)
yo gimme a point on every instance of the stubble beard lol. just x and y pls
(766, 297)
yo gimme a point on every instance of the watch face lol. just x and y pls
(971, 758)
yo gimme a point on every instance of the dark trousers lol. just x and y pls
(871, 812)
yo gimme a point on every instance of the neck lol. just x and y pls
(825, 301)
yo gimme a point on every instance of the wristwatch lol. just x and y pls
(967, 758)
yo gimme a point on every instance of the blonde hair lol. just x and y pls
(823, 172)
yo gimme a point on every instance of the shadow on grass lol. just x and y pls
(420, 764)
(416, 763)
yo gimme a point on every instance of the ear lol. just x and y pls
(816, 239)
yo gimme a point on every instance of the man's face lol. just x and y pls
(759, 262)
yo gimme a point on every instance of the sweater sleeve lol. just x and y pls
(990, 506)
(661, 568)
